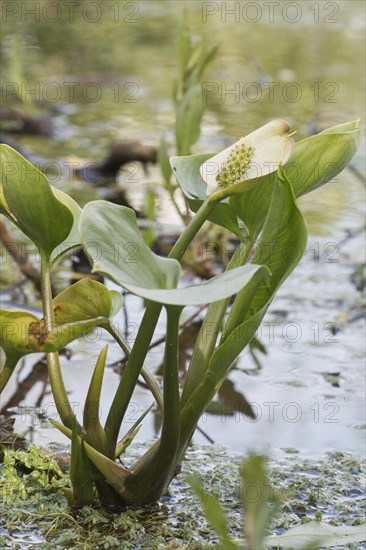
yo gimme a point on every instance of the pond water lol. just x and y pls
(111, 79)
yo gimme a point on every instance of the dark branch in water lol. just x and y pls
(24, 124)
(14, 249)
(120, 153)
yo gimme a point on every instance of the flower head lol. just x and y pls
(240, 166)
(237, 164)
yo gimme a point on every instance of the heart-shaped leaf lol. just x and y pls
(187, 172)
(115, 228)
(218, 288)
(79, 309)
(29, 202)
(86, 300)
(116, 248)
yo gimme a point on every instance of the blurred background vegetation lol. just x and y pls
(134, 43)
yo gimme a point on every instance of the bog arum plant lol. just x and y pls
(254, 196)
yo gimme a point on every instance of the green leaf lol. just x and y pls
(214, 513)
(318, 533)
(16, 336)
(252, 207)
(23, 333)
(6, 369)
(114, 474)
(207, 58)
(96, 435)
(343, 128)
(121, 254)
(186, 170)
(16, 340)
(283, 240)
(148, 276)
(86, 300)
(192, 61)
(195, 57)
(31, 203)
(4, 208)
(280, 248)
(218, 288)
(77, 310)
(204, 346)
(117, 301)
(131, 434)
(318, 159)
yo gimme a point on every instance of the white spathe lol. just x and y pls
(272, 146)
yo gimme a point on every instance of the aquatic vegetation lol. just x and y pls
(189, 108)
(262, 504)
(261, 209)
(33, 512)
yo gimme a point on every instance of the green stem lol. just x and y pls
(171, 424)
(153, 472)
(153, 387)
(171, 190)
(59, 393)
(131, 372)
(147, 328)
(118, 338)
(191, 230)
(149, 379)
